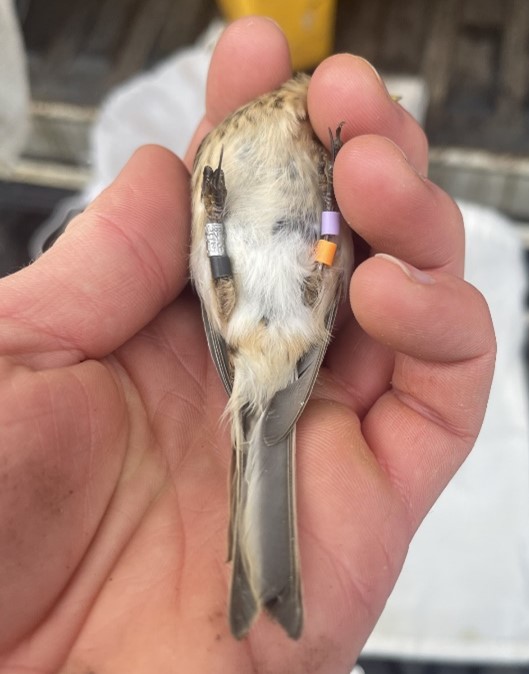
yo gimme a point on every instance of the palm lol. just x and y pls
(115, 466)
(156, 487)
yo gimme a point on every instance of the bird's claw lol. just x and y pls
(336, 141)
(214, 191)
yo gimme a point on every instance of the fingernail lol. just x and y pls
(375, 71)
(379, 77)
(404, 156)
(411, 272)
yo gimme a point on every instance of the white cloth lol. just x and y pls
(464, 590)
(162, 106)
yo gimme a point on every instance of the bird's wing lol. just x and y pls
(219, 352)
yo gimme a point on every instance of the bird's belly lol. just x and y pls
(271, 262)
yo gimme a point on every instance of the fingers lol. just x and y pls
(433, 316)
(394, 208)
(347, 88)
(109, 274)
(399, 213)
(361, 367)
(425, 417)
(251, 58)
(422, 429)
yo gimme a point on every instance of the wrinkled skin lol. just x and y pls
(113, 461)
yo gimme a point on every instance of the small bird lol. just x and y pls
(270, 265)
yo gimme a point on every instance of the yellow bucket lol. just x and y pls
(307, 24)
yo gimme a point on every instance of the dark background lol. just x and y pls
(472, 54)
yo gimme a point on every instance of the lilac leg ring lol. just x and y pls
(330, 223)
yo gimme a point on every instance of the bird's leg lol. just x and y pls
(326, 167)
(325, 249)
(214, 200)
(330, 223)
(214, 191)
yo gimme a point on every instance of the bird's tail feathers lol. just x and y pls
(263, 534)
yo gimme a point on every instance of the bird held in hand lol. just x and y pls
(270, 266)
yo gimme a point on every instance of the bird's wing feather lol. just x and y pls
(219, 352)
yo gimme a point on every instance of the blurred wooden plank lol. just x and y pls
(144, 30)
(475, 60)
(69, 35)
(110, 26)
(499, 181)
(513, 73)
(47, 174)
(440, 48)
(39, 17)
(483, 12)
(403, 38)
(473, 54)
(359, 27)
(184, 22)
(60, 132)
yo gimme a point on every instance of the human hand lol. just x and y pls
(114, 463)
